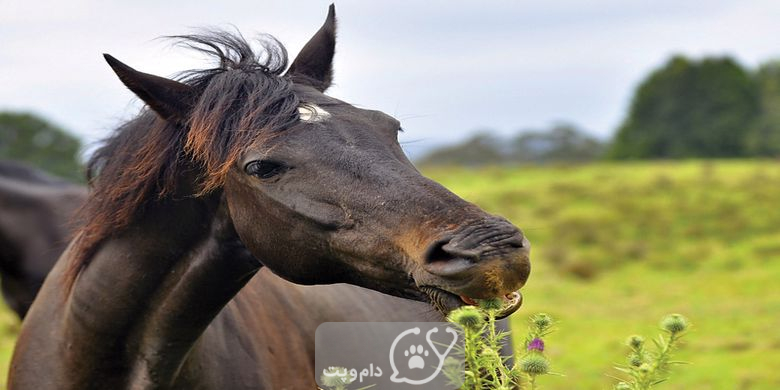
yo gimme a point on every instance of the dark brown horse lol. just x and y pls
(231, 165)
(35, 211)
(35, 220)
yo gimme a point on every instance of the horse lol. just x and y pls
(36, 220)
(231, 170)
(35, 210)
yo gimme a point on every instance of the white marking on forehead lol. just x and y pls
(312, 113)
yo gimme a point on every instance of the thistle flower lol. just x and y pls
(534, 364)
(674, 323)
(536, 344)
(468, 317)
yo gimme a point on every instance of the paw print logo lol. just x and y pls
(417, 353)
(416, 361)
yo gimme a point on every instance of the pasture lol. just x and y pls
(617, 246)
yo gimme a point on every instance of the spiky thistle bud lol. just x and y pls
(541, 321)
(534, 364)
(635, 360)
(468, 317)
(635, 342)
(674, 323)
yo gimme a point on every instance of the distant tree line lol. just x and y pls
(33, 140)
(562, 142)
(708, 108)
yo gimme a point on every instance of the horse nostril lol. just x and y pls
(442, 260)
(517, 243)
(437, 253)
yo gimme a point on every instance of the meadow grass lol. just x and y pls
(615, 247)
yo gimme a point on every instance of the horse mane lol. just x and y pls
(242, 100)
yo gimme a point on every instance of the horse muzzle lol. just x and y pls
(485, 259)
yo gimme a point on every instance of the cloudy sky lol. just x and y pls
(444, 68)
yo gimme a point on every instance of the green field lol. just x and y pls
(617, 246)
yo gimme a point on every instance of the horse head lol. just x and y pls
(320, 190)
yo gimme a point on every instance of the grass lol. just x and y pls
(9, 328)
(618, 246)
(615, 247)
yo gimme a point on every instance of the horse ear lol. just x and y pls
(314, 64)
(168, 98)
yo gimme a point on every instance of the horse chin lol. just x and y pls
(445, 301)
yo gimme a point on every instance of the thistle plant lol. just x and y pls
(534, 363)
(333, 381)
(647, 368)
(485, 368)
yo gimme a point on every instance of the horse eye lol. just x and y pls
(265, 169)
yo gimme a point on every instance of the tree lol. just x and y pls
(563, 142)
(481, 149)
(764, 137)
(29, 138)
(689, 109)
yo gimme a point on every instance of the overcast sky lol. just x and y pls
(444, 68)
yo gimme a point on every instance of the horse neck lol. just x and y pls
(26, 210)
(23, 235)
(20, 196)
(34, 221)
(16, 196)
(148, 294)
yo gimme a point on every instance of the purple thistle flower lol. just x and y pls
(536, 345)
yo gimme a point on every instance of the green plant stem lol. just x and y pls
(471, 353)
(493, 344)
(660, 362)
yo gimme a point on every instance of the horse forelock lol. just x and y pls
(241, 101)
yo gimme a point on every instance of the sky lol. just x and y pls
(446, 69)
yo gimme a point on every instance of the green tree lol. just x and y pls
(563, 142)
(764, 137)
(31, 139)
(689, 108)
(481, 149)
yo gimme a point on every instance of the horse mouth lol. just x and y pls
(445, 301)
